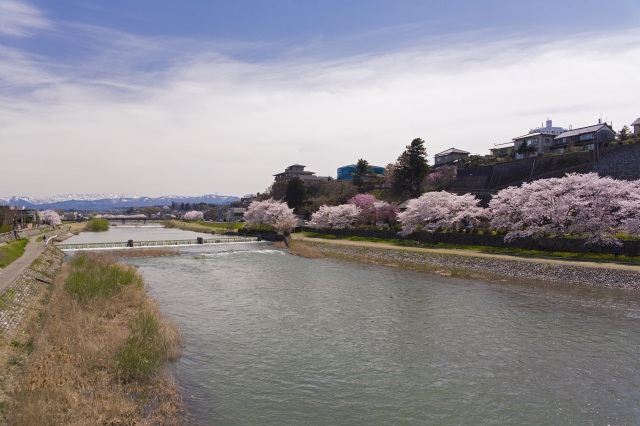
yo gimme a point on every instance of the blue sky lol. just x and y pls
(194, 97)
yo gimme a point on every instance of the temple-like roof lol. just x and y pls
(451, 151)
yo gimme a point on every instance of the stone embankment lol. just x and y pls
(486, 267)
(24, 294)
(620, 162)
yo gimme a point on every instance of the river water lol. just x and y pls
(274, 339)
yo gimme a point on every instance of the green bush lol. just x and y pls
(93, 276)
(143, 353)
(97, 225)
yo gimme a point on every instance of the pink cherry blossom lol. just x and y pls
(271, 212)
(342, 216)
(583, 205)
(193, 216)
(51, 217)
(440, 210)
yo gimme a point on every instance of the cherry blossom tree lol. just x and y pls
(51, 217)
(366, 204)
(273, 213)
(193, 216)
(441, 210)
(584, 205)
(342, 216)
(363, 201)
(373, 210)
(441, 177)
(386, 212)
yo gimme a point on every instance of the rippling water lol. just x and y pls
(274, 339)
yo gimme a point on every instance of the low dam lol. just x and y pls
(161, 243)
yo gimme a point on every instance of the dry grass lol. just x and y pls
(145, 252)
(299, 248)
(192, 226)
(73, 376)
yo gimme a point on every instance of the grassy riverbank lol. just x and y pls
(11, 251)
(95, 353)
(600, 257)
(205, 227)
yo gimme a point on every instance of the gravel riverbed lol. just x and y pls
(488, 268)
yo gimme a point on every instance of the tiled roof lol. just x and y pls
(581, 130)
(528, 135)
(636, 123)
(502, 145)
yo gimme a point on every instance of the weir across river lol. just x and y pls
(162, 243)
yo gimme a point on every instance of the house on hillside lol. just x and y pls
(538, 141)
(449, 156)
(636, 127)
(297, 171)
(348, 172)
(503, 151)
(584, 138)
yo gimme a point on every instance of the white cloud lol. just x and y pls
(20, 18)
(206, 123)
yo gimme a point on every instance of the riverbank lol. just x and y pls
(69, 358)
(468, 264)
(199, 227)
(21, 307)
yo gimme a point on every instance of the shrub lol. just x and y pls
(96, 276)
(97, 225)
(142, 355)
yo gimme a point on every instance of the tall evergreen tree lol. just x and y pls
(363, 169)
(294, 194)
(410, 170)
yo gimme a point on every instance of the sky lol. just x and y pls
(192, 97)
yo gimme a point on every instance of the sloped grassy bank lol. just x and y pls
(499, 269)
(98, 352)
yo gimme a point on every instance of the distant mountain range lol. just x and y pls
(110, 201)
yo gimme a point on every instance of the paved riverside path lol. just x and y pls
(14, 270)
(475, 253)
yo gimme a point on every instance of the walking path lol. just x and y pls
(14, 270)
(475, 253)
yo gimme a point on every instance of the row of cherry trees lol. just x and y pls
(586, 205)
(362, 209)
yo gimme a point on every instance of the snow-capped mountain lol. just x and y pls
(106, 201)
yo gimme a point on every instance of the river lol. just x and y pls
(274, 339)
